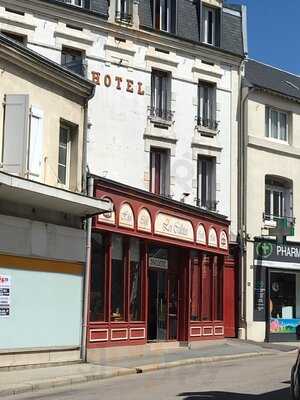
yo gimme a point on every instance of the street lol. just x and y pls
(260, 378)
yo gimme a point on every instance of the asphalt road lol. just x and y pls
(261, 378)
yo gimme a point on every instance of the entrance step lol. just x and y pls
(163, 346)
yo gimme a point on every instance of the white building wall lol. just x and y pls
(120, 134)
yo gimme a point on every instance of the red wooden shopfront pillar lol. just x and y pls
(230, 297)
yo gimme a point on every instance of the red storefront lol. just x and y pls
(159, 268)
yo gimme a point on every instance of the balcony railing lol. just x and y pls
(76, 66)
(208, 123)
(210, 205)
(161, 115)
(123, 17)
(80, 3)
(279, 225)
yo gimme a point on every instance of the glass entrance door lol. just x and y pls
(163, 305)
(157, 305)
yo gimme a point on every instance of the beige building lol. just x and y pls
(42, 207)
(270, 198)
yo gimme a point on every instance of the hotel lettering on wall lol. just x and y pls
(118, 83)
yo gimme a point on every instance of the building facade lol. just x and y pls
(164, 120)
(271, 180)
(42, 208)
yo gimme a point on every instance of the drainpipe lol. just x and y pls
(242, 205)
(87, 276)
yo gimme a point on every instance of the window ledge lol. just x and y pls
(204, 131)
(160, 121)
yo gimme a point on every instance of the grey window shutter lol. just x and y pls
(15, 140)
(35, 163)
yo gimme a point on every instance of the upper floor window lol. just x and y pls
(15, 36)
(206, 182)
(73, 60)
(78, 3)
(165, 15)
(64, 155)
(124, 10)
(207, 105)
(211, 25)
(160, 171)
(161, 95)
(278, 198)
(276, 124)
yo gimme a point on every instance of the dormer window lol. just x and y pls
(165, 15)
(78, 3)
(210, 25)
(124, 11)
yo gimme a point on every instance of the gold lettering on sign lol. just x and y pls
(126, 217)
(108, 217)
(223, 241)
(177, 228)
(144, 221)
(212, 238)
(201, 235)
(129, 85)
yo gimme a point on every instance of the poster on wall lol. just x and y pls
(5, 295)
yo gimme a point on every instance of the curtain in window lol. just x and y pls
(135, 280)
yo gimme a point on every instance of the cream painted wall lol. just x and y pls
(55, 106)
(267, 157)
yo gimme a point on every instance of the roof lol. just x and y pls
(273, 79)
(19, 54)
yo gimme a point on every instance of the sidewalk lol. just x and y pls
(29, 380)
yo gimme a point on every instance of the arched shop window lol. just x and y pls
(121, 259)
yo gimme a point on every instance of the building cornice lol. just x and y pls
(94, 21)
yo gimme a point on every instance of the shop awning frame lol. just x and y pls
(38, 195)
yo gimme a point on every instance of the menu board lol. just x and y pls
(260, 291)
(5, 293)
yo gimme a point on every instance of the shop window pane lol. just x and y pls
(196, 287)
(206, 307)
(97, 302)
(117, 279)
(218, 291)
(282, 295)
(135, 280)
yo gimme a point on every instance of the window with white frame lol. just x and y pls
(277, 124)
(160, 171)
(278, 198)
(165, 15)
(207, 105)
(124, 10)
(161, 95)
(210, 25)
(206, 182)
(64, 155)
(78, 3)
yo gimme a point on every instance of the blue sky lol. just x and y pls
(274, 32)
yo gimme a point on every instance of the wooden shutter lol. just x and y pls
(15, 138)
(35, 164)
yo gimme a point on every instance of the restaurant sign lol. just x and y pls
(173, 227)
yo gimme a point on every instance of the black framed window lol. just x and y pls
(124, 10)
(160, 171)
(211, 21)
(117, 278)
(73, 60)
(165, 15)
(98, 279)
